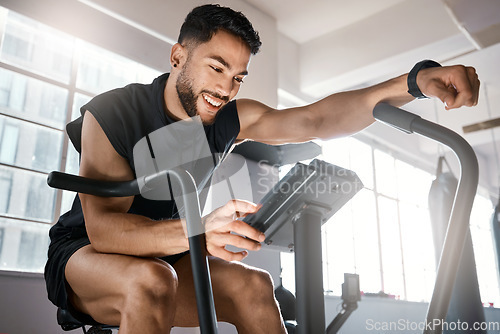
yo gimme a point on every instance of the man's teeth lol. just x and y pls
(211, 101)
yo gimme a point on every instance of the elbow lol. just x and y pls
(96, 236)
(99, 230)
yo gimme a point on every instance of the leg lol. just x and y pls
(243, 295)
(136, 293)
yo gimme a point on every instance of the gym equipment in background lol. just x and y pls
(351, 295)
(495, 227)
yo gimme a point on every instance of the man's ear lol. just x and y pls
(178, 54)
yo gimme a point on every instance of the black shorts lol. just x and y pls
(59, 253)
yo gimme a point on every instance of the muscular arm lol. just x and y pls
(110, 228)
(346, 113)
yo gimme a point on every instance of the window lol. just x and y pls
(44, 80)
(32, 99)
(46, 154)
(101, 70)
(33, 244)
(37, 47)
(1, 239)
(39, 202)
(9, 135)
(384, 233)
(5, 190)
(26, 145)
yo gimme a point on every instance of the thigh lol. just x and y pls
(98, 283)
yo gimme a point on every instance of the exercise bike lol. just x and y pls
(307, 215)
(293, 219)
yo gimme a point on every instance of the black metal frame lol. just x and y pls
(458, 226)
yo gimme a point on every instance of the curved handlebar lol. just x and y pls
(458, 225)
(395, 117)
(85, 185)
(89, 186)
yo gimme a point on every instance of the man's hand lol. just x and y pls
(456, 86)
(223, 229)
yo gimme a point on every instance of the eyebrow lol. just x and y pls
(225, 63)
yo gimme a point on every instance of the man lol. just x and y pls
(109, 265)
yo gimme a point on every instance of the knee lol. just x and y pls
(262, 280)
(248, 298)
(258, 286)
(152, 284)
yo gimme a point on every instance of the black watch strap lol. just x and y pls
(412, 77)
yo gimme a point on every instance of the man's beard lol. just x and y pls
(188, 98)
(186, 93)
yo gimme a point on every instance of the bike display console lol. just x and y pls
(291, 216)
(321, 185)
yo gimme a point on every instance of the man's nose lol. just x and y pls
(225, 87)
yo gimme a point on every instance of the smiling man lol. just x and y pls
(221, 56)
(124, 260)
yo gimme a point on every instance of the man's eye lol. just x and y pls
(216, 69)
(238, 80)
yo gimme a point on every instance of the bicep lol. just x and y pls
(100, 161)
(272, 126)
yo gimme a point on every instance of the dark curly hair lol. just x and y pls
(204, 21)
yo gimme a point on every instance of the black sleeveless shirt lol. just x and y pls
(126, 115)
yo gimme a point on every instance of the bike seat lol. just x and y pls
(68, 322)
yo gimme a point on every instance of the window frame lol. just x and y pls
(74, 94)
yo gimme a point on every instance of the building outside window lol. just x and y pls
(45, 77)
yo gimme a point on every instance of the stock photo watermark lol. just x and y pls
(323, 186)
(404, 325)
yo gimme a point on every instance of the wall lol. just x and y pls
(24, 307)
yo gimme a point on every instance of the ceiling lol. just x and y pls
(303, 21)
(351, 44)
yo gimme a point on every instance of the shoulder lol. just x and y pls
(98, 156)
(250, 113)
(251, 107)
(125, 115)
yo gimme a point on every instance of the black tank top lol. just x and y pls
(126, 115)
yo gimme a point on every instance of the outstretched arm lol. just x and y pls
(345, 113)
